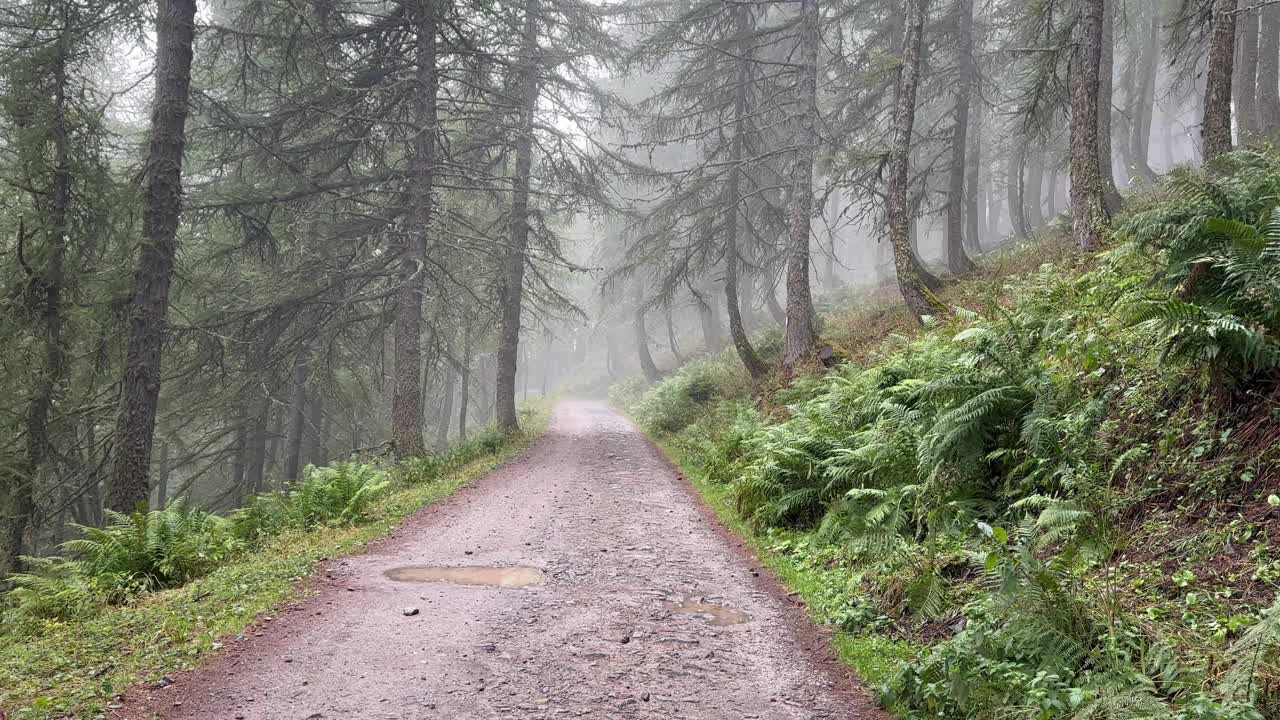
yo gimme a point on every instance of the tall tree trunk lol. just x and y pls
(1144, 102)
(801, 332)
(671, 341)
(17, 496)
(920, 300)
(464, 382)
(317, 424)
(830, 279)
(162, 477)
(1269, 71)
(1033, 191)
(256, 447)
(136, 422)
(712, 338)
(1013, 183)
(1106, 90)
(1244, 89)
(297, 416)
(776, 311)
(973, 183)
(1215, 129)
(733, 199)
(1051, 194)
(446, 410)
(406, 407)
(957, 261)
(641, 336)
(1088, 208)
(511, 284)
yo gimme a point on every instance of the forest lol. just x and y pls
(963, 314)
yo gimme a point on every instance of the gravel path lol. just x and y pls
(644, 608)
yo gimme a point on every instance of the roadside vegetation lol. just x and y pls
(1057, 501)
(154, 593)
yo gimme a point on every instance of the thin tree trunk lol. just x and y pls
(671, 341)
(733, 200)
(18, 505)
(511, 285)
(136, 422)
(297, 416)
(1244, 89)
(957, 261)
(446, 408)
(406, 408)
(1088, 208)
(920, 300)
(776, 311)
(316, 421)
(1033, 191)
(1144, 103)
(973, 183)
(256, 448)
(1269, 71)
(800, 332)
(712, 337)
(831, 280)
(1013, 183)
(1106, 86)
(465, 383)
(641, 336)
(1215, 129)
(162, 477)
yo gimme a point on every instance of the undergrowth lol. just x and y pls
(154, 593)
(1062, 494)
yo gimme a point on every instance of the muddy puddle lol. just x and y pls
(718, 615)
(507, 577)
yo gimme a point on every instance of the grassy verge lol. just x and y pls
(74, 669)
(825, 588)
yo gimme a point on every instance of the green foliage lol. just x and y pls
(679, 400)
(131, 554)
(1220, 238)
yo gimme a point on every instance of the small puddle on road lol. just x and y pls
(718, 615)
(507, 577)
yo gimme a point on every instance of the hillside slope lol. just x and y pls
(1059, 502)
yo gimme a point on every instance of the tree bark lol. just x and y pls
(1033, 191)
(136, 422)
(671, 341)
(464, 381)
(712, 337)
(446, 409)
(297, 416)
(641, 336)
(920, 300)
(1215, 129)
(733, 200)
(1088, 208)
(801, 337)
(1244, 87)
(972, 183)
(406, 407)
(511, 284)
(957, 261)
(1144, 103)
(162, 477)
(1106, 101)
(1013, 183)
(1269, 71)
(17, 491)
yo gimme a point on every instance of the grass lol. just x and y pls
(824, 589)
(75, 669)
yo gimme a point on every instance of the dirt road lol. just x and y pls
(627, 600)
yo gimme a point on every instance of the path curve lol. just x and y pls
(619, 535)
